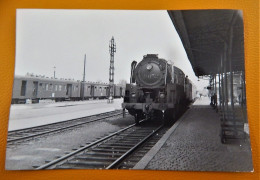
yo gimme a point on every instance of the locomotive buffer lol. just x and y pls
(112, 50)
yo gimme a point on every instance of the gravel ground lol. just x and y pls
(36, 152)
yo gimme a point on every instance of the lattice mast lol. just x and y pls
(112, 50)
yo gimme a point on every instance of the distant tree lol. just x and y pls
(122, 82)
(99, 81)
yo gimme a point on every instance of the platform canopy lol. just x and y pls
(209, 36)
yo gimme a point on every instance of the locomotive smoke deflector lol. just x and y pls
(133, 65)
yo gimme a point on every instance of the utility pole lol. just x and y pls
(84, 74)
(112, 50)
(54, 72)
(84, 79)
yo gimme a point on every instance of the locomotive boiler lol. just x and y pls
(156, 89)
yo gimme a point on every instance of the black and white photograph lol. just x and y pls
(129, 89)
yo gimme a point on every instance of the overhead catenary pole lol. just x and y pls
(54, 72)
(112, 50)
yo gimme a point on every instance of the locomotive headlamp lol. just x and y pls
(149, 67)
(133, 94)
(162, 95)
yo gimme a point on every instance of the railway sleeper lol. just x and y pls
(109, 150)
(126, 138)
(83, 164)
(125, 166)
(132, 136)
(128, 142)
(114, 147)
(95, 158)
(103, 154)
(142, 151)
(146, 148)
(119, 145)
(132, 133)
(128, 164)
(68, 167)
(20, 134)
(136, 156)
(131, 139)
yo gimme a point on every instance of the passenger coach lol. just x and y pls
(37, 88)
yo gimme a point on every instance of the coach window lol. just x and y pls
(46, 87)
(23, 88)
(65, 87)
(100, 89)
(56, 87)
(60, 87)
(95, 88)
(51, 87)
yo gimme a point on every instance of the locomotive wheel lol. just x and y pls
(165, 120)
(157, 115)
(176, 112)
(136, 120)
(173, 114)
(169, 116)
(138, 117)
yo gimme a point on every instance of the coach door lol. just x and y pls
(23, 88)
(35, 89)
(82, 90)
(69, 90)
(107, 91)
(92, 91)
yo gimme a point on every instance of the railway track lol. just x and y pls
(138, 154)
(110, 151)
(21, 135)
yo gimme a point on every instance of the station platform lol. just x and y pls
(193, 143)
(31, 115)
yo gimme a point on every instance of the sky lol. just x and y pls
(61, 38)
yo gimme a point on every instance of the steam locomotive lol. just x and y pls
(157, 89)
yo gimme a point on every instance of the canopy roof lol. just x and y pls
(208, 36)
